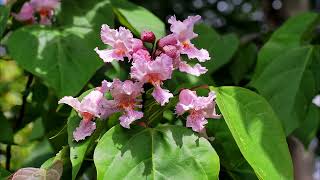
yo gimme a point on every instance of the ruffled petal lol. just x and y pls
(162, 96)
(84, 130)
(91, 103)
(26, 13)
(107, 55)
(196, 70)
(196, 121)
(71, 101)
(192, 52)
(130, 116)
(186, 102)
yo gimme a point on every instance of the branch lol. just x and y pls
(20, 117)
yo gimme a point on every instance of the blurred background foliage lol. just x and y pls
(240, 27)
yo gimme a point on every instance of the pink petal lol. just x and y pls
(186, 102)
(91, 103)
(137, 45)
(45, 4)
(202, 55)
(141, 54)
(26, 13)
(129, 117)
(107, 108)
(107, 55)
(158, 70)
(196, 121)
(196, 70)
(183, 30)
(162, 96)
(71, 101)
(167, 40)
(84, 130)
(108, 35)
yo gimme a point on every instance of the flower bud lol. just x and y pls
(148, 36)
(167, 40)
(170, 50)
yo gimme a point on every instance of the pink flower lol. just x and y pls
(26, 14)
(122, 42)
(154, 72)
(92, 106)
(45, 8)
(199, 108)
(183, 32)
(125, 99)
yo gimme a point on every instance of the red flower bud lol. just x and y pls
(148, 36)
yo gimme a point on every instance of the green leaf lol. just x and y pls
(294, 33)
(244, 62)
(257, 132)
(4, 173)
(137, 18)
(63, 57)
(6, 131)
(220, 48)
(230, 156)
(4, 15)
(309, 127)
(173, 152)
(288, 85)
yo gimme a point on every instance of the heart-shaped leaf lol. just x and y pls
(63, 57)
(257, 132)
(168, 152)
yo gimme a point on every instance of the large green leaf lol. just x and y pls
(6, 131)
(294, 33)
(288, 85)
(4, 15)
(137, 18)
(168, 152)
(221, 48)
(63, 57)
(257, 131)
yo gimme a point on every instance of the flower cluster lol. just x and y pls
(148, 66)
(42, 8)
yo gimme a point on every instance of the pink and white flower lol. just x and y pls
(199, 109)
(154, 72)
(26, 14)
(122, 42)
(125, 99)
(45, 9)
(183, 32)
(90, 107)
